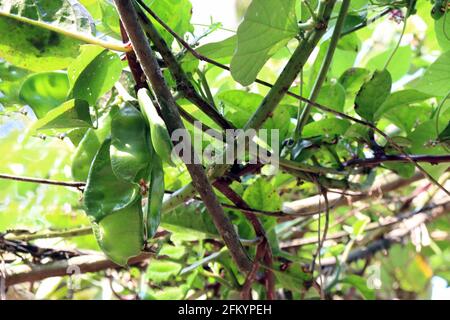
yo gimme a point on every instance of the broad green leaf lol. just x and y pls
(353, 78)
(399, 98)
(159, 271)
(327, 127)
(191, 222)
(332, 96)
(71, 114)
(44, 91)
(372, 94)
(436, 80)
(292, 278)
(29, 44)
(360, 284)
(175, 13)
(121, 234)
(406, 117)
(241, 105)
(130, 152)
(261, 195)
(93, 73)
(399, 65)
(267, 27)
(105, 193)
(442, 29)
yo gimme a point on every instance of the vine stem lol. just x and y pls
(71, 34)
(78, 185)
(408, 12)
(172, 118)
(303, 115)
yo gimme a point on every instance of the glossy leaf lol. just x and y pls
(33, 47)
(94, 73)
(267, 27)
(105, 193)
(71, 114)
(45, 91)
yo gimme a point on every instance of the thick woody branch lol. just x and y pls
(173, 121)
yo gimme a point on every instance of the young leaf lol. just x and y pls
(267, 27)
(400, 98)
(32, 46)
(372, 94)
(71, 114)
(44, 91)
(105, 193)
(94, 73)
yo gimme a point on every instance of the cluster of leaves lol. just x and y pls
(79, 99)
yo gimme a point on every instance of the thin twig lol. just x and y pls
(77, 185)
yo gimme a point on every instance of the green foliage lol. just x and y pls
(70, 112)
(267, 27)
(37, 49)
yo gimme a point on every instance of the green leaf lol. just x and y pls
(32, 46)
(160, 271)
(400, 98)
(332, 96)
(94, 73)
(155, 196)
(44, 91)
(353, 78)
(267, 27)
(105, 193)
(240, 106)
(221, 51)
(327, 127)
(261, 195)
(442, 29)
(191, 222)
(293, 278)
(175, 13)
(372, 94)
(399, 65)
(71, 114)
(121, 235)
(436, 80)
(360, 284)
(130, 152)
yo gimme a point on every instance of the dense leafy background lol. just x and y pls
(50, 102)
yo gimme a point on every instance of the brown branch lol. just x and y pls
(264, 251)
(184, 85)
(85, 264)
(173, 121)
(370, 162)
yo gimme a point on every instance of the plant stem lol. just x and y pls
(303, 115)
(71, 34)
(77, 185)
(173, 121)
